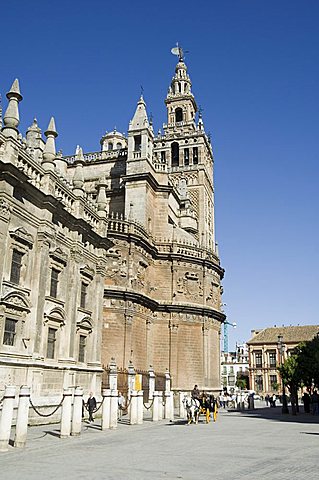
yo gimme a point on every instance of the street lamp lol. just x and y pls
(281, 348)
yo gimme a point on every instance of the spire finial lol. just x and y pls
(11, 118)
(179, 52)
(49, 151)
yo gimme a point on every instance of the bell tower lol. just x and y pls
(180, 102)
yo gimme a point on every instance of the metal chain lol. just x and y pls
(98, 408)
(150, 406)
(1, 400)
(46, 414)
(128, 403)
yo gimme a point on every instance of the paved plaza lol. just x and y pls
(259, 444)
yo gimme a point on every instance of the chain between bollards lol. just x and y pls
(150, 406)
(46, 414)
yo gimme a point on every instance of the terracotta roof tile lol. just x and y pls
(289, 334)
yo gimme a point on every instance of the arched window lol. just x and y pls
(175, 154)
(118, 145)
(110, 146)
(178, 115)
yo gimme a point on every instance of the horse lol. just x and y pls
(192, 407)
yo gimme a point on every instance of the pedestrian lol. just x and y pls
(91, 406)
(315, 402)
(83, 408)
(195, 393)
(267, 398)
(274, 398)
(120, 403)
(306, 401)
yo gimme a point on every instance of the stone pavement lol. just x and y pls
(258, 444)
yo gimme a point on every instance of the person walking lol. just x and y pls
(315, 402)
(91, 406)
(306, 402)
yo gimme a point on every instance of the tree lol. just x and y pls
(242, 381)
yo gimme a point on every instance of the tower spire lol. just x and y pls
(11, 118)
(49, 149)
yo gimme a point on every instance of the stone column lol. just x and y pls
(140, 407)
(6, 417)
(106, 408)
(22, 417)
(155, 407)
(173, 354)
(151, 387)
(66, 414)
(133, 408)
(77, 412)
(113, 408)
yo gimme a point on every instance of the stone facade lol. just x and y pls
(109, 253)
(266, 354)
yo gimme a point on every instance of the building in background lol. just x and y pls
(265, 355)
(109, 253)
(234, 365)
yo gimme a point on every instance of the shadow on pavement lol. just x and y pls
(276, 415)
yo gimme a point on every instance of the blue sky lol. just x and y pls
(254, 67)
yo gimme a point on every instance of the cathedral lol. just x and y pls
(109, 254)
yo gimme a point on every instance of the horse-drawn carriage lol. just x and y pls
(194, 407)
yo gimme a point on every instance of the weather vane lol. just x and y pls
(179, 52)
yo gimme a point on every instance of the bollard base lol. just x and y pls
(19, 444)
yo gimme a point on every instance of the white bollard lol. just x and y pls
(133, 408)
(160, 405)
(66, 413)
(171, 399)
(106, 409)
(167, 406)
(140, 407)
(155, 407)
(77, 412)
(151, 383)
(22, 417)
(113, 409)
(6, 417)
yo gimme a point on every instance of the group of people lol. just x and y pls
(311, 402)
(271, 400)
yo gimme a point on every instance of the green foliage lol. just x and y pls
(242, 381)
(302, 367)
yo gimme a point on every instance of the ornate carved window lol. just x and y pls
(175, 154)
(54, 282)
(272, 358)
(58, 261)
(82, 345)
(195, 155)
(21, 244)
(258, 359)
(84, 288)
(83, 329)
(52, 337)
(9, 333)
(55, 321)
(178, 115)
(16, 264)
(14, 309)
